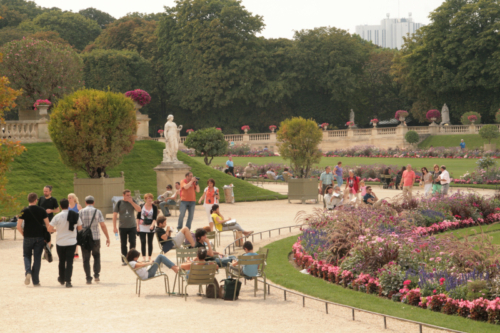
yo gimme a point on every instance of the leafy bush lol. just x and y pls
(459, 292)
(489, 132)
(92, 130)
(300, 139)
(477, 289)
(412, 137)
(431, 216)
(207, 142)
(466, 121)
(391, 278)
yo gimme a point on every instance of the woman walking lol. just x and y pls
(426, 180)
(210, 197)
(74, 205)
(146, 221)
(436, 184)
(352, 184)
(339, 174)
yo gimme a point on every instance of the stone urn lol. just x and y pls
(272, 130)
(42, 110)
(324, 128)
(402, 119)
(137, 107)
(374, 125)
(472, 122)
(246, 131)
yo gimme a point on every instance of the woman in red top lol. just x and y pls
(352, 184)
(210, 197)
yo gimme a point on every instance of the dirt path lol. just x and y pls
(112, 305)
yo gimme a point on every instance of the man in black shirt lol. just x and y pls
(48, 202)
(34, 219)
(203, 241)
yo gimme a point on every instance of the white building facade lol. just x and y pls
(390, 32)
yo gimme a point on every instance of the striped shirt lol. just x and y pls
(86, 216)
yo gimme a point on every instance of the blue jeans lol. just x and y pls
(33, 246)
(224, 261)
(8, 224)
(160, 259)
(280, 177)
(165, 209)
(340, 181)
(189, 205)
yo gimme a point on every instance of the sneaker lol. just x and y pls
(69, 285)
(97, 279)
(27, 279)
(89, 281)
(61, 281)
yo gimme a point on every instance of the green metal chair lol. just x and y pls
(212, 235)
(161, 241)
(139, 280)
(237, 271)
(181, 256)
(217, 233)
(201, 273)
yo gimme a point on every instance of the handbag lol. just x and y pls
(84, 237)
(231, 286)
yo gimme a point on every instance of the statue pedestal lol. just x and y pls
(169, 173)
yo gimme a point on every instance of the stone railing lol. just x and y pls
(24, 131)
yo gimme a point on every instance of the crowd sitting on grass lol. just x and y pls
(394, 250)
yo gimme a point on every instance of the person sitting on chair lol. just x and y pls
(199, 260)
(370, 198)
(246, 270)
(203, 241)
(133, 258)
(166, 239)
(222, 224)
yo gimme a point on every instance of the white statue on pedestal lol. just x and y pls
(445, 115)
(351, 116)
(172, 138)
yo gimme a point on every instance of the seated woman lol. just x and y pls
(333, 197)
(221, 224)
(133, 257)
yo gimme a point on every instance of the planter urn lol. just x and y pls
(42, 110)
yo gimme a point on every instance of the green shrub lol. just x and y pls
(476, 289)
(459, 292)
(412, 137)
(466, 121)
(489, 132)
(93, 130)
(207, 142)
(391, 278)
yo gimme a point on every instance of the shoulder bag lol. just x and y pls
(84, 237)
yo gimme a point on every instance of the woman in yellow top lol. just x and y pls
(222, 224)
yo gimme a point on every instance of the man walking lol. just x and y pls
(49, 203)
(188, 200)
(35, 222)
(230, 165)
(128, 226)
(67, 223)
(407, 181)
(445, 180)
(87, 214)
(325, 180)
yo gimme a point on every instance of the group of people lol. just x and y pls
(37, 222)
(436, 181)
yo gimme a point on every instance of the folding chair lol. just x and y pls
(243, 260)
(212, 235)
(181, 256)
(139, 280)
(200, 273)
(217, 232)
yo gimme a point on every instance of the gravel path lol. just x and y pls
(113, 306)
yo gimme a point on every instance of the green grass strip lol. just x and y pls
(281, 272)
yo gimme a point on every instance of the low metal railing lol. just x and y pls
(327, 303)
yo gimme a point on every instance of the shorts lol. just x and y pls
(173, 242)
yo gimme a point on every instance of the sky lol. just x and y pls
(281, 17)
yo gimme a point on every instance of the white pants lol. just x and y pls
(427, 189)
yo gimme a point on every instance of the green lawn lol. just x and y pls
(472, 141)
(492, 230)
(40, 165)
(456, 167)
(280, 271)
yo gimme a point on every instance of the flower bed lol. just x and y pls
(384, 251)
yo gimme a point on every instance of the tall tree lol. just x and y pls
(102, 18)
(454, 60)
(42, 69)
(13, 12)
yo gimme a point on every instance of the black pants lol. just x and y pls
(149, 236)
(96, 253)
(66, 255)
(231, 169)
(132, 234)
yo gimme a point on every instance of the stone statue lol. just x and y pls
(351, 116)
(445, 115)
(172, 138)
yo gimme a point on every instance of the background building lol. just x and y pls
(390, 32)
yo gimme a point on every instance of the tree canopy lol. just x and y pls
(102, 18)
(207, 142)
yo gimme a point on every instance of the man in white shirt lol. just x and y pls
(67, 224)
(445, 180)
(271, 174)
(171, 199)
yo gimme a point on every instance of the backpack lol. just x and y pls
(214, 292)
(230, 288)
(84, 237)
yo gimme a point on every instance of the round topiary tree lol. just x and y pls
(299, 141)
(93, 130)
(489, 132)
(465, 121)
(412, 137)
(207, 142)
